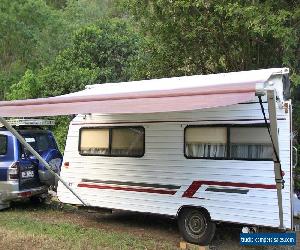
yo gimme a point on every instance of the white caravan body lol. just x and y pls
(169, 175)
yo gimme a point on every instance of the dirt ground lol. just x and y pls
(144, 227)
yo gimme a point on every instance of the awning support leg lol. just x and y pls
(37, 155)
(271, 96)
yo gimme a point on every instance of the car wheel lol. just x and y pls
(37, 200)
(195, 226)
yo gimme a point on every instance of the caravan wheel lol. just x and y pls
(196, 226)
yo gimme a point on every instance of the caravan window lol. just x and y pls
(250, 143)
(205, 142)
(94, 141)
(3, 144)
(127, 141)
(113, 141)
(231, 142)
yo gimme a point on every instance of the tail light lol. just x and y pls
(13, 171)
(66, 164)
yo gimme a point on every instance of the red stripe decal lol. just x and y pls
(193, 188)
(144, 190)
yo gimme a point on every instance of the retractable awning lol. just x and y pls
(142, 102)
(148, 96)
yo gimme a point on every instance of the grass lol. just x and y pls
(53, 226)
(69, 235)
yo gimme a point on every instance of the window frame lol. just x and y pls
(6, 143)
(110, 128)
(228, 144)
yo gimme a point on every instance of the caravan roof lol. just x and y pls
(183, 82)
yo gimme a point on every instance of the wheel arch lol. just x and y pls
(182, 208)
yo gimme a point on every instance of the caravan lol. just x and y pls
(201, 166)
(203, 149)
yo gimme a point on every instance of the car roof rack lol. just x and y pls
(30, 122)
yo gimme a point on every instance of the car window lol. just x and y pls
(40, 142)
(43, 142)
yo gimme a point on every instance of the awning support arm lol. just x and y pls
(37, 155)
(273, 132)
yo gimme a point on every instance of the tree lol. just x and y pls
(27, 87)
(33, 32)
(201, 37)
(58, 4)
(99, 53)
(84, 12)
(30, 33)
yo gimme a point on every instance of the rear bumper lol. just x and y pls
(11, 192)
(28, 193)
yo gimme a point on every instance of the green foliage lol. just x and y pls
(64, 76)
(33, 32)
(30, 36)
(25, 27)
(98, 53)
(200, 37)
(108, 46)
(296, 129)
(60, 130)
(27, 87)
(58, 4)
(8, 77)
(84, 12)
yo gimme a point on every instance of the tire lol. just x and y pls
(54, 158)
(196, 226)
(37, 200)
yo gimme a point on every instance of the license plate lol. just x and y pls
(28, 174)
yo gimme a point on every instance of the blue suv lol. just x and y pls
(21, 174)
